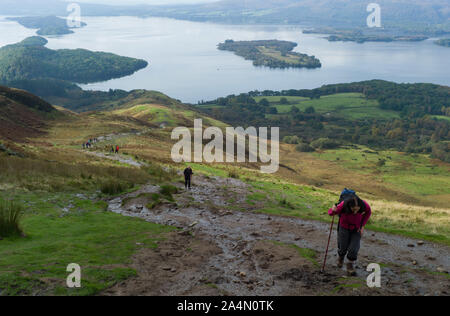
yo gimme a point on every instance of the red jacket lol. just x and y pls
(352, 221)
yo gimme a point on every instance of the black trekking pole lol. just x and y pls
(326, 253)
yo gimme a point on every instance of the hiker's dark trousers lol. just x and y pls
(348, 243)
(187, 182)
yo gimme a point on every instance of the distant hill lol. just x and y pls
(430, 17)
(46, 25)
(30, 59)
(22, 114)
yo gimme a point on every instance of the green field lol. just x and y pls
(345, 105)
(441, 117)
(413, 173)
(62, 229)
(289, 58)
(348, 105)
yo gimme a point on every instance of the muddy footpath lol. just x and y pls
(217, 250)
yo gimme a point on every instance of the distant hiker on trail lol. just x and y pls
(117, 149)
(84, 145)
(112, 149)
(187, 177)
(353, 216)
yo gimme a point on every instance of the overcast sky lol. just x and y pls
(143, 1)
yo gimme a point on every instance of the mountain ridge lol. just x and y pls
(408, 16)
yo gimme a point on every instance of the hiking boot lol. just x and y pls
(340, 262)
(350, 269)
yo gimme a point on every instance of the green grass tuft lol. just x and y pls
(113, 187)
(11, 214)
(168, 190)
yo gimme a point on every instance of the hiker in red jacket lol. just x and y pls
(354, 214)
(117, 149)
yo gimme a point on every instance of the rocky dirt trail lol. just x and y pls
(221, 251)
(117, 157)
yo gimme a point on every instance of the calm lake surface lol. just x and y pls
(186, 64)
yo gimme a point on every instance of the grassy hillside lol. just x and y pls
(65, 218)
(23, 115)
(65, 190)
(284, 195)
(166, 116)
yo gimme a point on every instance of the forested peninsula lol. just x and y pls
(30, 59)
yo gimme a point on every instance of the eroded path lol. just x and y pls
(116, 157)
(221, 251)
(111, 156)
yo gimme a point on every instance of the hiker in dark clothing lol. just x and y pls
(187, 177)
(354, 214)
